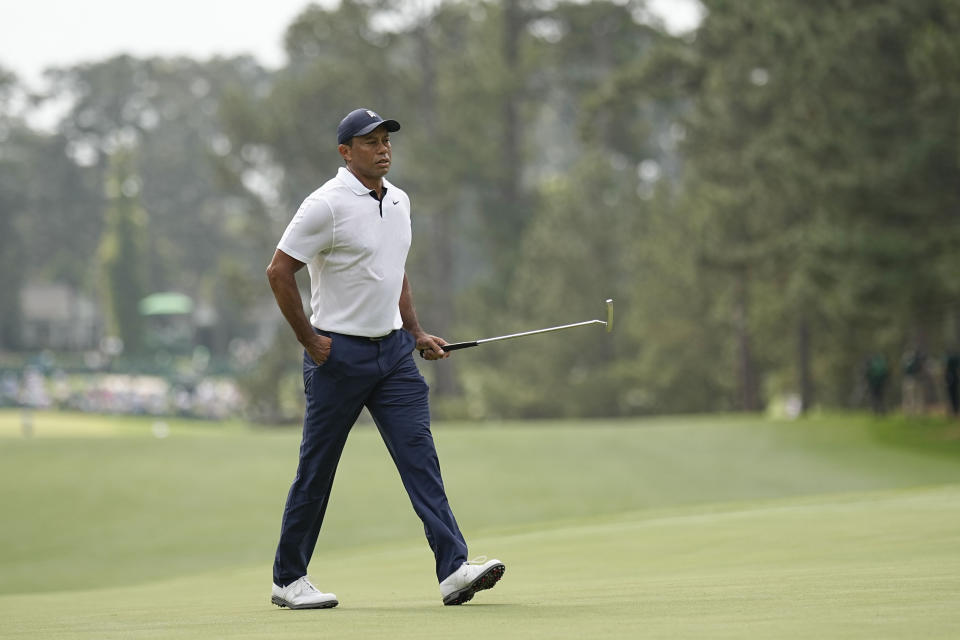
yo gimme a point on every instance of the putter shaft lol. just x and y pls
(473, 343)
(536, 331)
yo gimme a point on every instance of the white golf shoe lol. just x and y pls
(301, 594)
(473, 576)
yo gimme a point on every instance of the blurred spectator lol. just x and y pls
(210, 398)
(33, 390)
(876, 372)
(951, 376)
(9, 390)
(914, 365)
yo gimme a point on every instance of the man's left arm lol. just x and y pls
(428, 345)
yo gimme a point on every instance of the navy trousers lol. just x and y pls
(382, 376)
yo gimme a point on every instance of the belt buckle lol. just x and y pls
(379, 338)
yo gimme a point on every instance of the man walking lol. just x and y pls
(353, 233)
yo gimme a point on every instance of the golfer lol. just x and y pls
(353, 233)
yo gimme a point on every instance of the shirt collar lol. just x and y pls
(351, 181)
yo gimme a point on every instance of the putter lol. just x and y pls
(476, 343)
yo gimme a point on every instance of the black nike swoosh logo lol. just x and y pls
(396, 202)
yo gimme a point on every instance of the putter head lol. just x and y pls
(609, 315)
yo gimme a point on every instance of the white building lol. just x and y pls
(55, 316)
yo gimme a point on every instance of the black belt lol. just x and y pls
(374, 339)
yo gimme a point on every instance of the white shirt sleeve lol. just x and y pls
(310, 231)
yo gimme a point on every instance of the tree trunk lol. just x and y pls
(512, 26)
(11, 276)
(803, 364)
(511, 216)
(746, 369)
(441, 262)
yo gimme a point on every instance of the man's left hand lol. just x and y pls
(429, 347)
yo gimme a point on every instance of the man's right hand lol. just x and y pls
(318, 348)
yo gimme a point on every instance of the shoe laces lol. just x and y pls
(308, 586)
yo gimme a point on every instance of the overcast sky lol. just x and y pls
(35, 34)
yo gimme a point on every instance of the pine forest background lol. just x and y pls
(770, 199)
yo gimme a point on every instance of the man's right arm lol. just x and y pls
(281, 272)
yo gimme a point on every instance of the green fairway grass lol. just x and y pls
(712, 527)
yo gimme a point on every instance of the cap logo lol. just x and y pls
(371, 113)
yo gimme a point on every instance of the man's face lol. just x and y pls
(369, 155)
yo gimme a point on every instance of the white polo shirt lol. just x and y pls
(356, 250)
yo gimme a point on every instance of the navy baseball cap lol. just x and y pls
(360, 122)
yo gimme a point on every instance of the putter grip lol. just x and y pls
(459, 345)
(455, 346)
